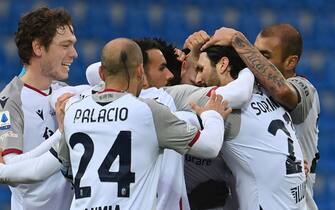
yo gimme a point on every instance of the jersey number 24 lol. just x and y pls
(121, 147)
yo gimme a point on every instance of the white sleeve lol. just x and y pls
(210, 140)
(92, 74)
(189, 117)
(45, 146)
(29, 171)
(68, 89)
(239, 91)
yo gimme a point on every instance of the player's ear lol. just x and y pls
(139, 72)
(102, 73)
(291, 62)
(222, 65)
(183, 68)
(37, 48)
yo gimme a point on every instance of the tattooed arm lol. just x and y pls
(266, 73)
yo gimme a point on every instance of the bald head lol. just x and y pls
(120, 57)
(290, 38)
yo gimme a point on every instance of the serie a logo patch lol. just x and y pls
(4, 120)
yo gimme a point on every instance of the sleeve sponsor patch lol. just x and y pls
(8, 134)
(4, 120)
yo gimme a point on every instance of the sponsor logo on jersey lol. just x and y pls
(302, 85)
(8, 134)
(198, 161)
(40, 113)
(299, 192)
(4, 120)
(3, 101)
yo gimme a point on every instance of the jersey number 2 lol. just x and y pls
(292, 166)
(121, 148)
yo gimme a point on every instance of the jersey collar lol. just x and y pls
(37, 90)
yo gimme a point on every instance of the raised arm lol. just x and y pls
(266, 73)
(176, 134)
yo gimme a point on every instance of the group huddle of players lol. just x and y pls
(221, 124)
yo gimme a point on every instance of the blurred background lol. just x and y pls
(96, 22)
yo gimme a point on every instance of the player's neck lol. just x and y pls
(36, 80)
(120, 86)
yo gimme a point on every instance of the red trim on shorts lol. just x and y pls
(35, 89)
(10, 151)
(181, 204)
(210, 91)
(195, 139)
(111, 90)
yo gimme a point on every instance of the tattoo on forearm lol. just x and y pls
(239, 42)
(257, 63)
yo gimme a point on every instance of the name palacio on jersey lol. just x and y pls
(112, 114)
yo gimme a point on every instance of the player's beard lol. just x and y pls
(59, 74)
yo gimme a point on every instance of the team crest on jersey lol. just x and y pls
(4, 120)
(3, 101)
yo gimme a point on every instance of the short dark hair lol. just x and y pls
(145, 45)
(289, 36)
(40, 24)
(173, 64)
(215, 53)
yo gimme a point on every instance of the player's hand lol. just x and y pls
(215, 103)
(222, 36)
(181, 56)
(306, 167)
(60, 109)
(195, 41)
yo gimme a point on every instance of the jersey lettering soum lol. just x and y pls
(264, 155)
(305, 118)
(114, 142)
(26, 121)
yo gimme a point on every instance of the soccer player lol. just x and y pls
(259, 142)
(171, 186)
(206, 179)
(45, 40)
(273, 61)
(116, 163)
(171, 197)
(156, 72)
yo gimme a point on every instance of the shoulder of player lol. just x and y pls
(301, 81)
(75, 100)
(180, 88)
(303, 85)
(155, 106)
(10, 96)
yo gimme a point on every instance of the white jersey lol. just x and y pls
(129, 172)
(305, 118)
(264, 155)
(171, 191)
(26, 121)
